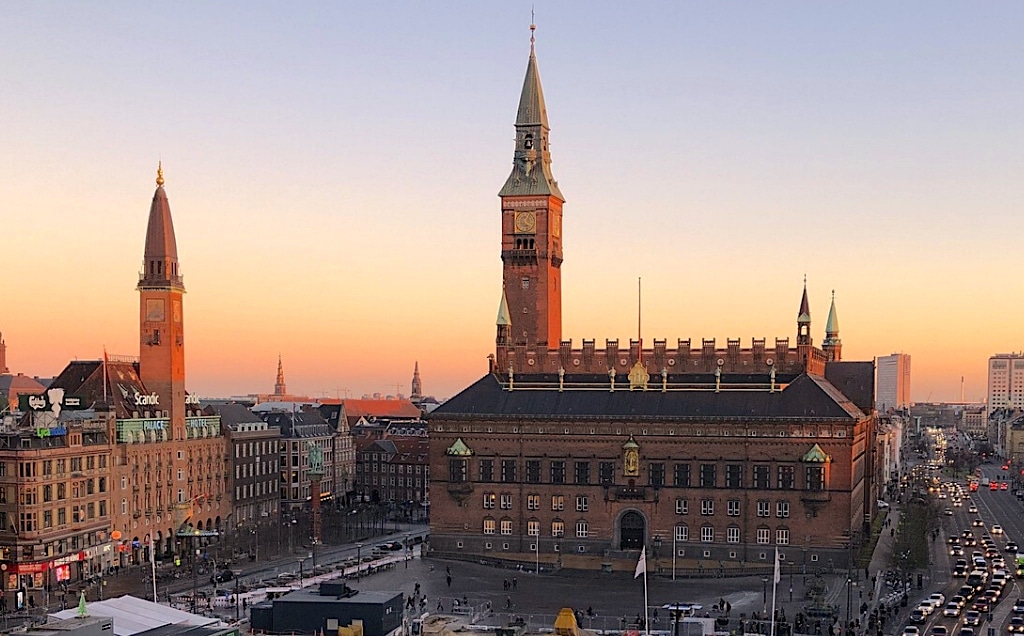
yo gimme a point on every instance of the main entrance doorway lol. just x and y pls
(632, 530)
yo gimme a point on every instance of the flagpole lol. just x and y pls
(647, 622)
(775, 585)
(152, 564)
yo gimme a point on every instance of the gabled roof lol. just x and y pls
(856, 380)
(233, 414)
(806, 397)
(85, 379)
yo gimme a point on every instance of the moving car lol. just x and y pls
(221, 577)
(1018, 606)
(911, 630)
(952, 609)
(1011, 546)
(939, 630)
(972, 509)
(937, 599)
(997, 529)
(1016, 625)
(978, 523)
(917, 616)
(972, 617)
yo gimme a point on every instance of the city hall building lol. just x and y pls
(719, 453)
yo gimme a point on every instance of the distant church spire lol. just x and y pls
(417, 384)
(279, 385)
(3, 355)
(832, 346)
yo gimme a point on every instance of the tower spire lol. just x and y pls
(531, 165)
(279, 385)
(832, 345)
(417, 385)
(803, 319)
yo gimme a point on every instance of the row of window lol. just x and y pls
(732, 508)
(707, 476)
(255, 449)
(29, 521)
(707, 533)
(252, 470)
(46, 466)
(401, 481)
(391, 468)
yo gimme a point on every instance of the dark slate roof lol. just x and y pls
(856, 380)
(303, 423)
(85, 379)
(806, 397)
(232, 414)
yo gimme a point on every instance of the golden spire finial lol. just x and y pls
(160, 173)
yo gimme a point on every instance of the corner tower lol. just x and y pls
(531, 224)
(832, 345)
(161, 320)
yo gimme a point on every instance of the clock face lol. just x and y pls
(526, 222)
(154, 309)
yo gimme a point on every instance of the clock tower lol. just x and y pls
(161, 323)
(531, 225)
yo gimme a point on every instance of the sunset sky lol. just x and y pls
(333, 171)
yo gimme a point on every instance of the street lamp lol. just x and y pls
(791, 566)
(408, 547)
(301, 561)
(764, 594)
(536, 549)
(359, 560)
(674, 553)
(849, 584)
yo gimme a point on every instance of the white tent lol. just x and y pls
(134, 615)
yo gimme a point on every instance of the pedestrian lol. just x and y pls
(448, 570)
(504, 585)
(440, 605)
(449, 579)
(515, 582)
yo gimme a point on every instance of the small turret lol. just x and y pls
(832, 346)
(803, 320)
(503, 322)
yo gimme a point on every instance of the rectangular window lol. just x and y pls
(508, 471)
(782, 509)
(764, 508)
(764, 536)
(733, 507)
(682, 533)
(488, 526)
(582, 503)
(762, 476)
(656, 474)
(533, 528)
(708, 474)
(732, 534)
(681, 475)
(490, 499)
(557, 502)
(533, 471)
(506, 502)
(606, 472)
(506, 527)
(457, 470)
(581, 475)
(815, 478)
(557, 528)
(557, 471)
(782, 536)
(787, 478)
(62, 516)
(734, 476)
(682, 506)
(707, 507)
(486, 470)
(582, 529)
(533, 502)
(707, 534)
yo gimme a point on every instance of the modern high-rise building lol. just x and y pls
(1006, 381)
(892, 385)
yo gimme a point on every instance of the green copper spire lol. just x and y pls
(531, 164)
(504, 319)
(832, 326)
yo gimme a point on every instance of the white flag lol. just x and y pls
(778, 567)
(641, 565)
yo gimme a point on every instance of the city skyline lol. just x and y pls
(333, 178)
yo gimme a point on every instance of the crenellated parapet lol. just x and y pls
(704, 356)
